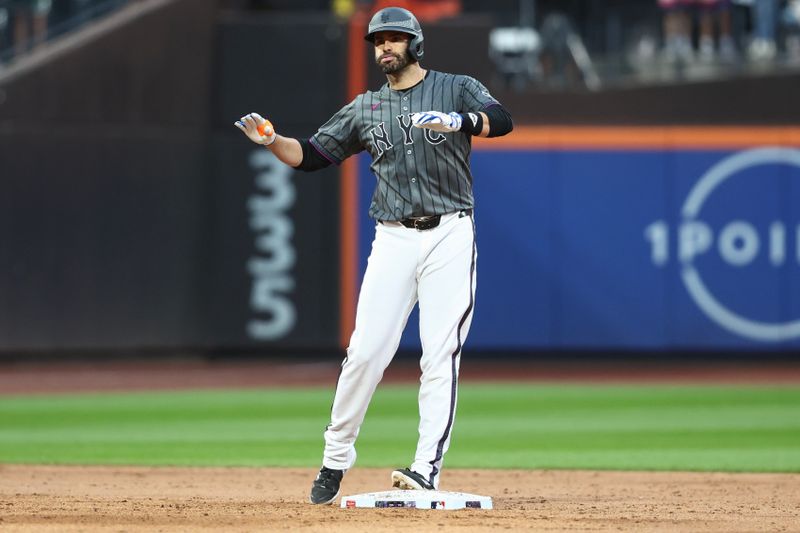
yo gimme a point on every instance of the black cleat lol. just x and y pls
(406, 479)
(326, 487)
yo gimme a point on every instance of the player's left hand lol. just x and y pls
(437, 121)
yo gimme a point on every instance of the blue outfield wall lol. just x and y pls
(651, 250)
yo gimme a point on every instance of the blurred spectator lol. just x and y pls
(558, 67)
(713, 15)
(563, 59)
(677, 31)
(514, 51)
(343, 9)
(721, 11)
(5, 16)
(30, 23)
(791, 21)
(25, 24)
(765, 17)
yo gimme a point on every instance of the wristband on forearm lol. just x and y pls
(471, 123)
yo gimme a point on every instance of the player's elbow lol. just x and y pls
(500, 122)
(310, 158)
(505, 129)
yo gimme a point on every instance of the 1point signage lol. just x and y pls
(739, 242)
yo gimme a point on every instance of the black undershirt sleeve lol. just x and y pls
(500, 122)
(312, 159)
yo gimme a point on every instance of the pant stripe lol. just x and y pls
(336, 388)
(454, 366)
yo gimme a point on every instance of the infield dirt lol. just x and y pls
(134, 499)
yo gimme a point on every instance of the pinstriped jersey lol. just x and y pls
(419, 172)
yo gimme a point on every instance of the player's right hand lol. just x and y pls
(257, 128)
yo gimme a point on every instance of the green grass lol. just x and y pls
(724, 428)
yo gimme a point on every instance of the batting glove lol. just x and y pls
(436, 121)
(257, 128)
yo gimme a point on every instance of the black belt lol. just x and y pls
(424, 223)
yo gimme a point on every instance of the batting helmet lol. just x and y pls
(398, 19)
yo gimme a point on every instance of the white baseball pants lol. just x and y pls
(437, 268)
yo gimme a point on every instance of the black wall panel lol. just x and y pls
(276, 230)
(275, 270)
(99, 241)
(134, 215)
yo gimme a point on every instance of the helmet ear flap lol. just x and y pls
(416, 47)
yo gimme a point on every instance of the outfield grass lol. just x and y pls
(724, 428)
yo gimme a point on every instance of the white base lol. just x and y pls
(418, 499)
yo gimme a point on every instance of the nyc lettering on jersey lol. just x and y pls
(382, 142)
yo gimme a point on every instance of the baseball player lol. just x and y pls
(418, 129)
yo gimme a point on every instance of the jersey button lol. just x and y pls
(405, 108)
(413, 180)
(405, 98)
(408, 152)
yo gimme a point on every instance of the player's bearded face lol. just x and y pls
(391, 62)
(391, 52)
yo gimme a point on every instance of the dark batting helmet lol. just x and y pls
(398, 19)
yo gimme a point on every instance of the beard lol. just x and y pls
(396, 65)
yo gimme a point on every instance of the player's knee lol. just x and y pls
(362, 359)
(442, 372)
(440, 355)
